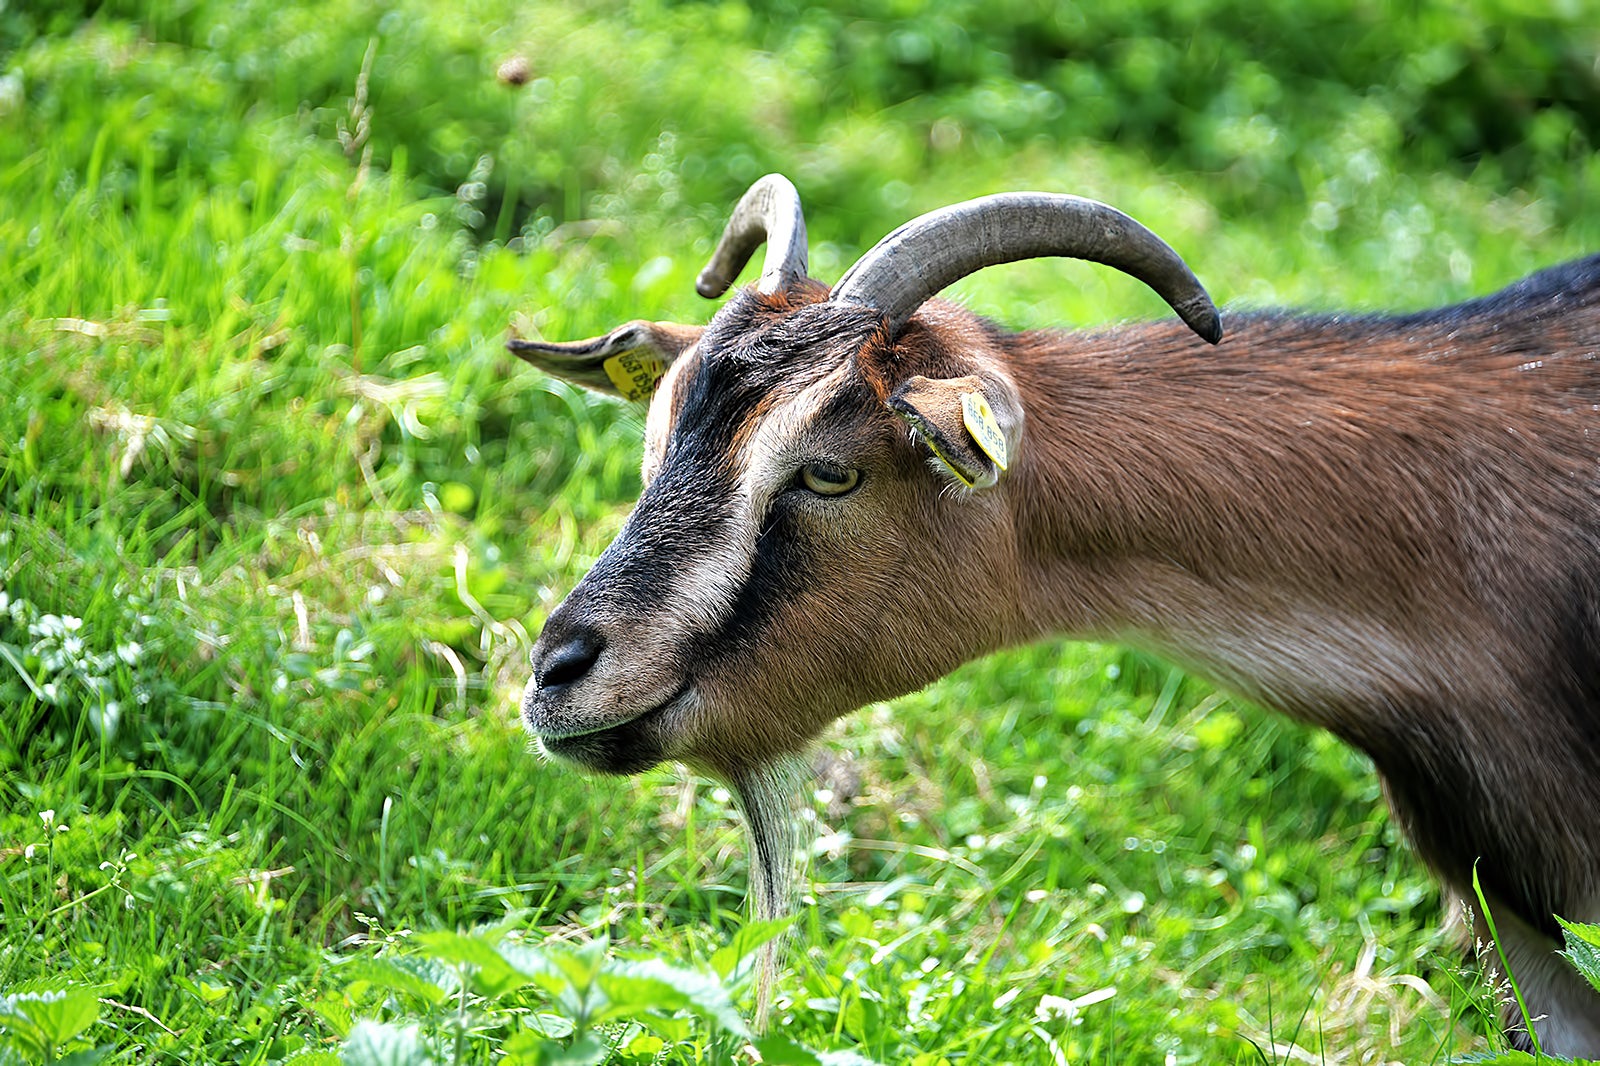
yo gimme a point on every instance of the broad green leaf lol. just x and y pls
(645, 1046)
(1583, 949)
(528, 1049)
(845, 1058)
(448, 946)
(1589, 934)
(52, 1018)
(584, 1051)
(492, 975)
(534, 964)
(429, 971)
(426, 979)
(205, 990)
(568, 973)
(335, 1011)
(781, 1051)
(863, 1015)
(675, 1030)
(746, 941)
(642, 986)
(527, 959)
(23, 1037)
(551, 1026)
(579, 965)
(378, 1044)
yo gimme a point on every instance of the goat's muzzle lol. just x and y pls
(588, 705)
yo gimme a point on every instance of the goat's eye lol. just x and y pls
(829, 479)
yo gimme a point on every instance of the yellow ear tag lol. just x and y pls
(948, 465)
(635, 372)
(985, 430)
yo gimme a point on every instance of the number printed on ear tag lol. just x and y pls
(635, 372)
(984, 428)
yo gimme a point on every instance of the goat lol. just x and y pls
(1385, 526)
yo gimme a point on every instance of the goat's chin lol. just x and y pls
(629, 748)
(620, 748)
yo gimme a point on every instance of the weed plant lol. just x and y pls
(278, 517)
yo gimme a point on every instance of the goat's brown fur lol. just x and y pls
(1387, 527)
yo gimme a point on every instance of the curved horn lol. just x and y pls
(928, 253)
(768, 211)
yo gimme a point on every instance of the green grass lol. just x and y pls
(279, 517)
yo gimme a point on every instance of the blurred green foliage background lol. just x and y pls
(1264, 100)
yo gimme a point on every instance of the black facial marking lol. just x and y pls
(780, 571)
(784, 566)
(747, 354)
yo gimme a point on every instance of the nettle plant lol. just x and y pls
(492, 995)
(50, 1025)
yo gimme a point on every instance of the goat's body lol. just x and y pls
(1385, 526)
(1388, 527)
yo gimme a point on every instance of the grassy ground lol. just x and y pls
(280, 516)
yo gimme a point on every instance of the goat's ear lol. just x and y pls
(628, 362)
(971, 424)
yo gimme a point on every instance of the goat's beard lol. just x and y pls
(766, 795)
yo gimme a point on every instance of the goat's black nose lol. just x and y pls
(569, 660)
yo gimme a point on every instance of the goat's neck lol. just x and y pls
(1166, 498)
(1367, 527)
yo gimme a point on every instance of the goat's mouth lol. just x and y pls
(622, 748)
